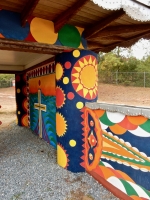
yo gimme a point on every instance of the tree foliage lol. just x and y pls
(114, 67)
(6, 80)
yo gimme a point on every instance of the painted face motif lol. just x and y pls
(90, 156)
(91, 123)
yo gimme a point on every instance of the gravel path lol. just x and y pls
(28, 171)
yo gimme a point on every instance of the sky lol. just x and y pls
(139, 50)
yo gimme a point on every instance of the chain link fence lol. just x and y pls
(6, 83)
(135, 79)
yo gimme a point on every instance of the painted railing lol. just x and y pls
(116, 148)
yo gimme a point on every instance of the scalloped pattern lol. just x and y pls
(134, 10)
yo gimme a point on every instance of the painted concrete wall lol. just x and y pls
(36, 101)
(54, 101)
(117, 149)
(76, 83)
(42, 102)
(21, 99)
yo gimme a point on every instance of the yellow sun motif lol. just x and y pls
(60, 97)
(61, 125)
(59, 71)
(84, 77)
(62, 157)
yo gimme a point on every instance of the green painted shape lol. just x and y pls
(146, 191)
(146, 126)
(104, 119)
(129, 189)
(100, 163)
(69, 36)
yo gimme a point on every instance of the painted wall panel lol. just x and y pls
(124, 153)
(41, 89)
(21, 99)
(74, 86)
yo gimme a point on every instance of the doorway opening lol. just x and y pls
(7, 99)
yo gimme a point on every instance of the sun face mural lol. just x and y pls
(42, 100)
(84, 77)
(124, 154)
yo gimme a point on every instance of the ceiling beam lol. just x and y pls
(122, 29)
(107, 38)
(92, 45)
(28, 10)
(9, 72)
(33, 47)
(130, 41)
(68, 14)
(91, 31)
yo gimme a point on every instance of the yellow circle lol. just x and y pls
(18, 90)
(43, 31)
(59, 71)
(79, 105)
(18, 112)
(88, 76)
(61, 125)
(72, 143)
(76, 53)
(65, 80)
(61, 156)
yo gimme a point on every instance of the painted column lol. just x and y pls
(21, 99)
(76, 83)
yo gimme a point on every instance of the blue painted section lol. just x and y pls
(142, 143)
(10, 26)
(71, 114)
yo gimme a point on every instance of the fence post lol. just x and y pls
(144, 79)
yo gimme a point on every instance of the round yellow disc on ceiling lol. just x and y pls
(43, 31)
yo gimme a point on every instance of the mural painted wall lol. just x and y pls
(116, 148)
(21, 99)
(76, 83)
(42, 102)
(39, 30)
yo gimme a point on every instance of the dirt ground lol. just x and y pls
(134, 96)
(8, 106)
